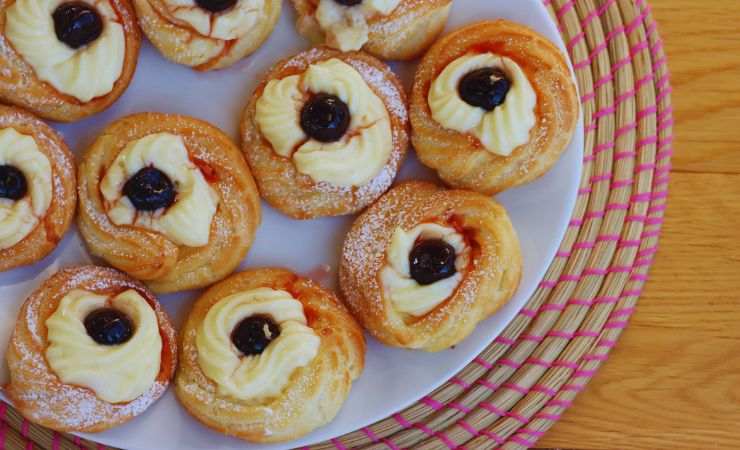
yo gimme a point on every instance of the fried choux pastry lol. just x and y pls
(167, 199)
(325, 133)
(37, 188)
(92, 349)
(268, 356)
(65, 60)
(207, 34)
(493, 106)
(388, 29)
(423, 266)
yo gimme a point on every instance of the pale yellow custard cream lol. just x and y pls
(501, 130)
(355, 159)
(84, 73)
(19, 217)
(255, 377)
(116, 373)
(346, 27)
(186, 222)
(405, 294)
(233, 23)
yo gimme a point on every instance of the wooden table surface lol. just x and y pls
(673, 381)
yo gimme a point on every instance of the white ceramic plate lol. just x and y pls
(393, 378)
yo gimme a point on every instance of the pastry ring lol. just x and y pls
(37, 188)
(423, 266)
(65, 60)
(91, 350)
(207, 34)
(325, 133)
(268, 356)
(167, 199)
(493, 106)
(388, 29)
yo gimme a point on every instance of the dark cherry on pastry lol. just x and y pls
(77, 24)
(215, 6)
(325, 118)
(12, 183)
(108, 326)
(485, 88)
(253, 334)
(348, 2)
(150, 189)
(432, 260)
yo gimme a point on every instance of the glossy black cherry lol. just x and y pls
(485, 88)
(253, 334)
(108, 326)
(77, 24)
(349, 2)
(12, 183)
(215, 6)
(325, 118)
(432, 260)
(150, 189)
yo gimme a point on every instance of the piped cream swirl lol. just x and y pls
(406, 295)
(186, 222)
(257, 377)
(355, 159)
(19, 217)
(233, 23)
(119, 373)
(84, 73)
(346, 27)
(501, 130)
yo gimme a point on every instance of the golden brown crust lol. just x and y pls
(403, 35)
(460, 159)
(486, 286)
(297, 194)
(315, 392)
(180, 43)
(39, 394)
(148, 255)
(20, 86)
(45, 237)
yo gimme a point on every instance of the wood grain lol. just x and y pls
(673, 381)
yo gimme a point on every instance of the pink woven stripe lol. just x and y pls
(370, 434)
(528, 313)
(548, 284)
(584, 373)
(552, 307)
(586, 245)
(623, 312)
(560, 403)
(460, 407)
(572, 388)
(532, 338)
(532, 432)
(391, 445)
(402, 420)
(492, 408)
(567, 6)
(516, 388)
(623, 183)
(460, 382)
(608, 238)
(518, 417)
(488, 384)
(432, 403)
(521, 441)
(606, 300)
(566, 364)
(509, 363)
(338, 444)
(570, 278)
(580, 302)
(575, 40)
(544, 390)
(632, 293)
(560, 334)
(493, 436)
(504, 340)
(467, 427)
(539, 362)
(647, 111)
(548, 416)
(480, 361)
(595, 215)
(595, 357)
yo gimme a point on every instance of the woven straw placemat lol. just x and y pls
(514, 391)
